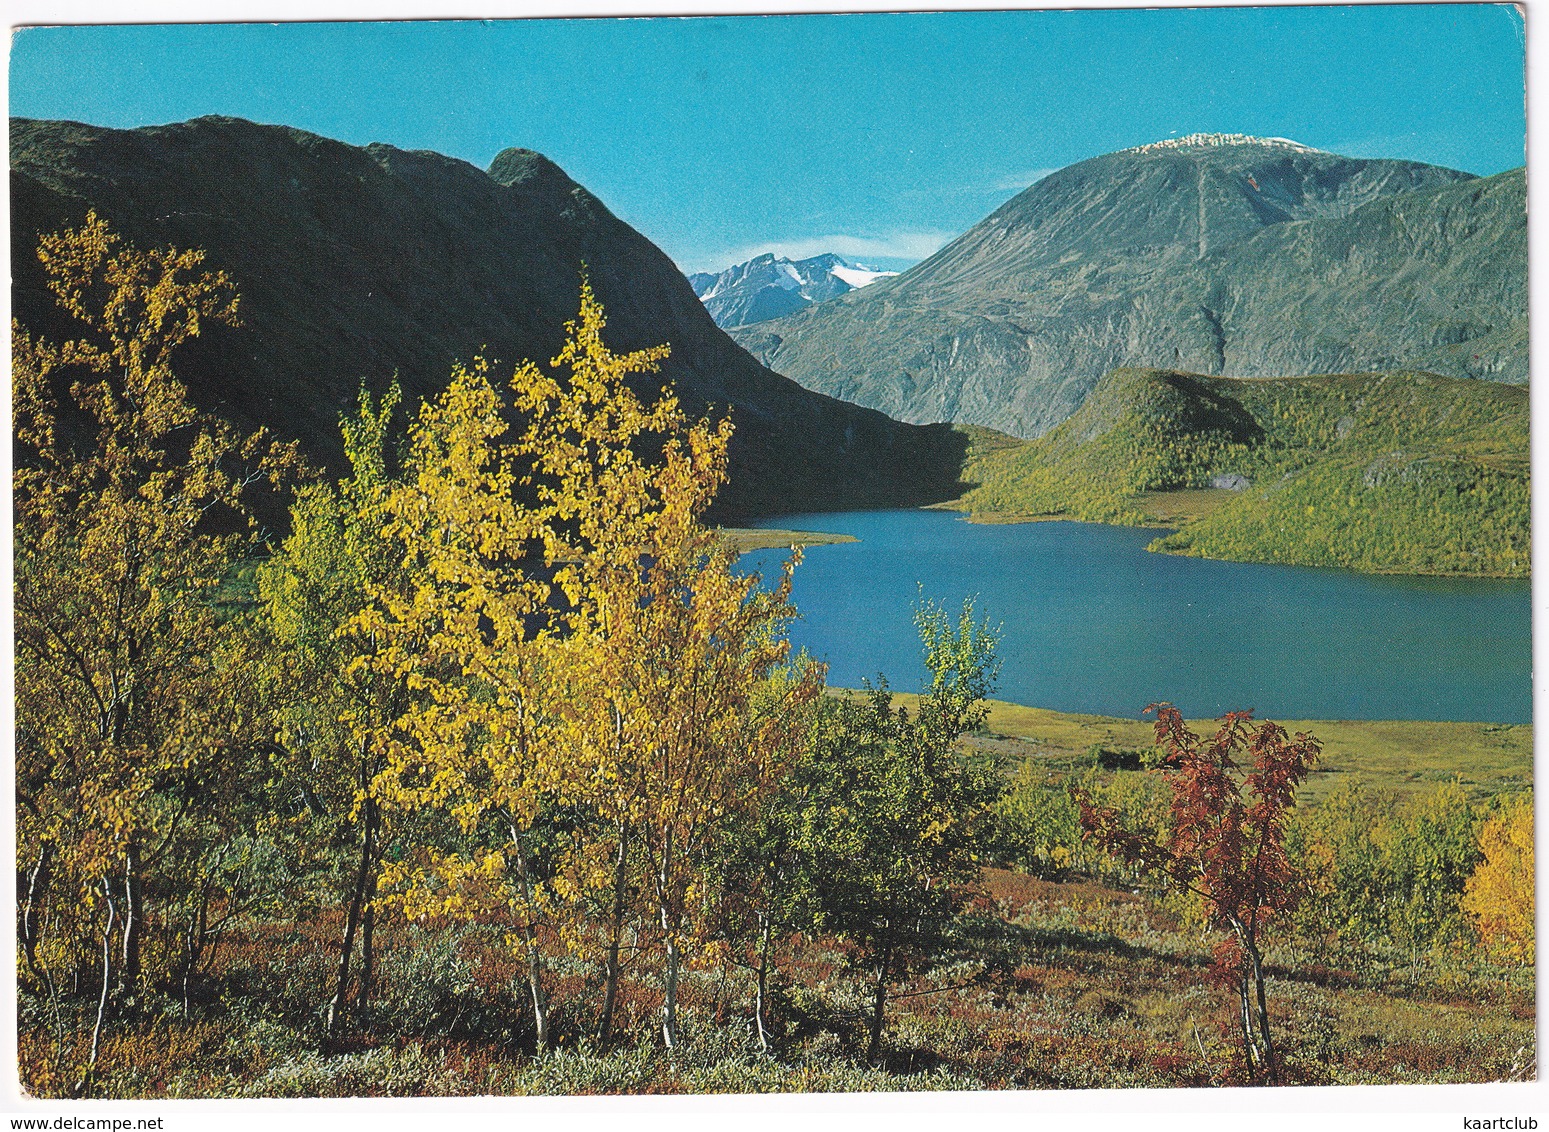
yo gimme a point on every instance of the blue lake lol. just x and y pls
(1092, 622)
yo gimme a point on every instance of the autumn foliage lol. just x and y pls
(1499, 894)
(1225, 844)
(133, 701)
(497, 772)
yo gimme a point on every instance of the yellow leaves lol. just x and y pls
(122, 659)
(144, 304)
(572, 634)
(1499, 894)
(456, 886)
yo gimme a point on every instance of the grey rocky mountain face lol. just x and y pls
(1218, 254)
(771, 286)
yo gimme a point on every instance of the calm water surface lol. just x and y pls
(1091, 622)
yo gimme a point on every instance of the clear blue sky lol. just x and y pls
(875, 135)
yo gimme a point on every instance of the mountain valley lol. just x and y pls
(769, 286)
(1136, 311)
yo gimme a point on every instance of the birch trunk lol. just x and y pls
(670, 995)
(611, 987)
(540, 1009)
(670, 989)
(1272, 1070)
(368, 915)
(878, 1004)
(352, 917)
(83, 1088)
(37, 884)
(367, 952)
(762, 995)
(134, 917)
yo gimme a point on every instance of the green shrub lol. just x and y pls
(406, 1072)
(1381, 870)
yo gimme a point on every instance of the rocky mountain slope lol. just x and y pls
(1215, 253)
(770, 286)
(355, 264)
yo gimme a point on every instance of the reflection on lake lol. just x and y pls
(1091, 622)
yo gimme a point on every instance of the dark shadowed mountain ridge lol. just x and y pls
(1215, 253)
(358, 263)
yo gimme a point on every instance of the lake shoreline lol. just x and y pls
(1093, 623)
(740, 540)
(1182, 523)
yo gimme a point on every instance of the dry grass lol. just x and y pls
(740, 540)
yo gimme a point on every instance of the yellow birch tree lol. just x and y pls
(1499, 894)
(590, 645)
(133, 698)
(474, 633)
(674, 650)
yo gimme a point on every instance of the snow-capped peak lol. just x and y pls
(770, 286)
(1213, 141)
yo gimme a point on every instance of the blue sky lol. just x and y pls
(879, 136)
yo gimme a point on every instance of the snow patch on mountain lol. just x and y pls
(1218, 141)
(858, 276)
(788, 277)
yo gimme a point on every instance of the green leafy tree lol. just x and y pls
(763, 889)
(1345, 882)
(1429, 851)
(894, 818)
(1038, 819)
(1383, 870)
(336, 719)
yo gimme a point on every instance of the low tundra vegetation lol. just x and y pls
(1389, 473)
(495, 776)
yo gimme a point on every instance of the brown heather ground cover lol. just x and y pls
(1060, 982)
(1074, 985)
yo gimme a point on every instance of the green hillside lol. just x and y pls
(1404, 473)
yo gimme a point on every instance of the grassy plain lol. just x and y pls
(1400, 755)
(743, 539)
